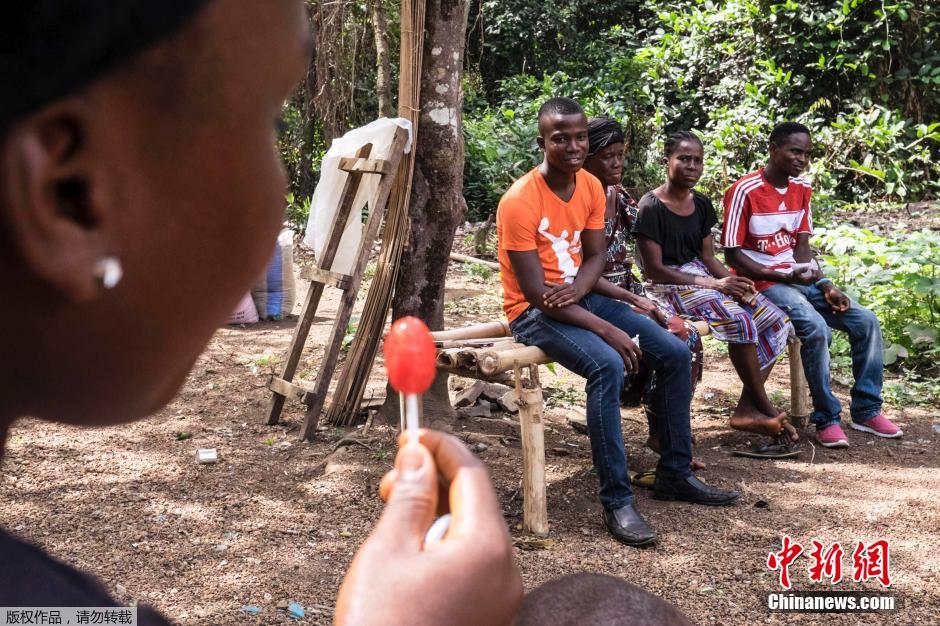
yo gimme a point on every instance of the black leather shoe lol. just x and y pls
(691, 489)
(627, 526)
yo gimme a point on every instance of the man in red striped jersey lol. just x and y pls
(766, 238)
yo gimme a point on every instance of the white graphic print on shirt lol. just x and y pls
(563, 249)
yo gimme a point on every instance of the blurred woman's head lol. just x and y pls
(164, 166)
(606, 150)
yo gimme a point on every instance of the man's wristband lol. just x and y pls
(822, 281)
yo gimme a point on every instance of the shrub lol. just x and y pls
(898, 278)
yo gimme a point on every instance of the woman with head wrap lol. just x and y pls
(139, 174)
(605, 160)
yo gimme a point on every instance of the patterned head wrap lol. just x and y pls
(602, 132)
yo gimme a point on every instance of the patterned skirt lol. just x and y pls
(762, 323)
(638, 386)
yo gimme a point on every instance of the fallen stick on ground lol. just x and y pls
(463, 258)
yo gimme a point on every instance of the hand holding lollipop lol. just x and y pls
(470, 577)
(409, 359)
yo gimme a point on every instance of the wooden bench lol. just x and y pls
(487, 352)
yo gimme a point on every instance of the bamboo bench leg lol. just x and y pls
(535, 504)
(799, 391)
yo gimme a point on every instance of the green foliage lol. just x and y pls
(871, 152)
(301, 154)
(564, 396)
(898, 278)
(349, 336)
(500, 147)
(297, 212)
(862, 74)
(521, 36)
(268, 360)
(501, 141)
(734, 69)
(911, 388)
(479, 271)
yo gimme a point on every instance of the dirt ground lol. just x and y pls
(278, 520)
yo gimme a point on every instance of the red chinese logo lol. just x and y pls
(826, 563)
(783, 559)
(871, 561)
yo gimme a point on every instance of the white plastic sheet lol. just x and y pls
(326, 197)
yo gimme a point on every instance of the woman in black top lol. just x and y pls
(677, 251)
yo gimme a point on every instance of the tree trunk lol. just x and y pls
(306, 182)
(383, 76)
(437, 204)
(329, 93)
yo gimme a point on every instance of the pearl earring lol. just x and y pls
(108, 270)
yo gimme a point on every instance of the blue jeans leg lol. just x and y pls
(814, 333)
(671, 361)
(864, 331)
(586, 354)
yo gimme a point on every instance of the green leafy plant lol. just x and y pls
(898, 278)
(480, 271)
(268, 360)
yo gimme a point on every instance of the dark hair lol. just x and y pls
(673, 141)
(579, 599)
(52, 49)
(560, 106)
(784, 130)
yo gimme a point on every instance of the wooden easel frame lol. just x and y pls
(281, 386)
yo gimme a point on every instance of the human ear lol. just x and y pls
(54, 199)
(541, 143)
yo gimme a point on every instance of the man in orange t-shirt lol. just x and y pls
(552, 251)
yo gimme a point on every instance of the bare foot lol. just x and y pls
(653, 444)
(790, 431)
(757, 422)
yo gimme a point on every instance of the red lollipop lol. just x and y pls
(409, 356)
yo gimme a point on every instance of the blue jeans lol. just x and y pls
(812, 318)
(586, 354)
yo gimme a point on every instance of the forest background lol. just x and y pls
(864, 75)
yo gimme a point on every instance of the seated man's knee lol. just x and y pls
(609, 364)
(814, 330)
(676, 355)
(867, 321)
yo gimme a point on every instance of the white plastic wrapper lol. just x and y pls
(326, 197)
(802, 270)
